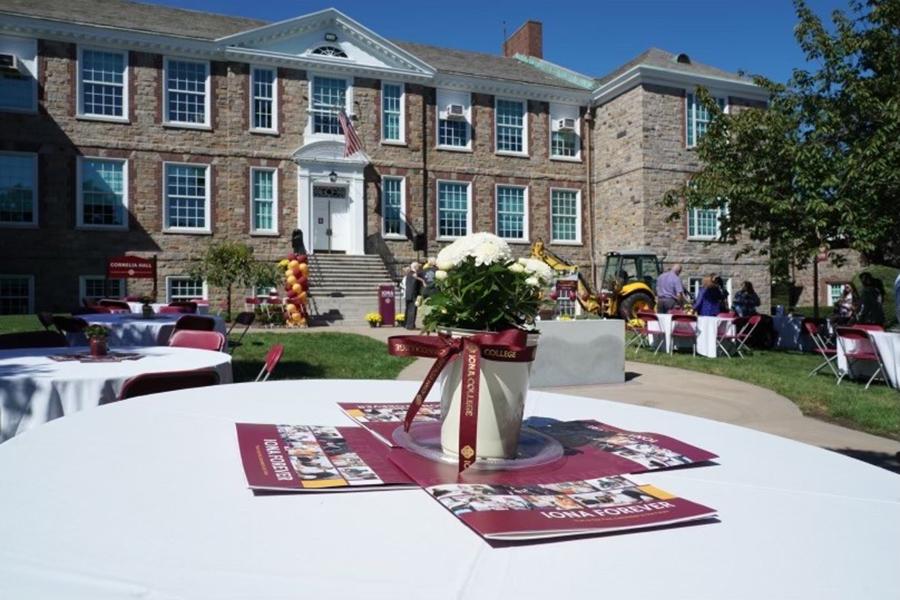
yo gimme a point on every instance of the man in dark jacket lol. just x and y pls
(413, 285)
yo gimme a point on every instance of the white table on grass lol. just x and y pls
(138, 307)
(147, 498)
(35, 389)
(708, 334)
(128, 329)
(887, 345)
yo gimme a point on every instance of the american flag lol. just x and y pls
(352, 143)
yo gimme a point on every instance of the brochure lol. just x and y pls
(308, 458)
(382, 419)
(534, 504)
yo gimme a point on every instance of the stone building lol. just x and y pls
(150, 130)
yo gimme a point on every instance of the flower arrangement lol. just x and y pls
(373, 319)
(93, 332)
(400, 318)
(481, 286)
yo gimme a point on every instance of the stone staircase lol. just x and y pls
(343, 288)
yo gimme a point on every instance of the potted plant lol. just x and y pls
(146, 308)
(486, 298)
(96, 335)
(373, 319)
(399, 319)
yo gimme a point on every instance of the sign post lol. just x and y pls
(386, 306)
(132, 267)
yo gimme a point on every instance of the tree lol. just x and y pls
(229, 263)
(819, 167)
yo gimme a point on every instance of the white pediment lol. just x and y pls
(319, 40)
(328, 151)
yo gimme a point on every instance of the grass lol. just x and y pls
(876, 410)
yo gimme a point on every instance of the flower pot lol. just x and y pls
(99, 347)
(503, 387)
(147, 311)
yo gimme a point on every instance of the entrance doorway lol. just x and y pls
(331, 219)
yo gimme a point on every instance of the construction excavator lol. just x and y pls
(629, 278)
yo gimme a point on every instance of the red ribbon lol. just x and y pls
(510, 345)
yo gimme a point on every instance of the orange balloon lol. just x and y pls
(303, 268)
(293, 264)
(291, 280)
(297, 288)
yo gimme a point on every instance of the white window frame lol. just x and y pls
(402, 140)
(165, 200)
(690, 119)
(578, 217)
(402, 234)
(348, 104)
(32, 67)
(30, 279)
(206, 95)
(79, 194)
(840, 290)
(171, 278)
(524, 152)
(437, 212)
(274, 229)
(437, 124)
(525, 205)
(35, 197)
(126, 74)
(82, 285)
(556, 116)
(692, 216)
(274, 128)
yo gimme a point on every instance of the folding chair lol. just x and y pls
(649, 329)
(116, 304)
(201, 340)
(685, 327)
(191, 306)
(635, 336)
(272, 358)
(868, 327)
(244, 319)
(174, 310)
(728, 330)
(33, 339)
(745, 334)
(167, 381)
(46, 320)
(195, 323)
(69, 324)
(813, 329)
(858, 348)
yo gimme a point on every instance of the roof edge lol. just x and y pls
(650, 74)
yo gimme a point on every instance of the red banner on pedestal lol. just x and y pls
(133, 267)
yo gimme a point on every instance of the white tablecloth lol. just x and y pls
(707, 334)
(887, 344)
(133, 330)
(35, 389)
(147, 498)
(138, 307)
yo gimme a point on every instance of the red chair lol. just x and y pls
(195, 323)
(167, 381)
(814, 329)
(244, 319)
(272, 358)
(190, 306)
(745, 334)
(118, 304)
(201, 340)
(684, 327)
(33, 339)
(69, 324)
(647, 330)
(858, 349)
(868, 327)
(173, 310)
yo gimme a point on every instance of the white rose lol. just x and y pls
(440, 274)
(533, 281)
(444, 266)
(516, 268)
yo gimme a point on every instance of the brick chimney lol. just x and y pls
(527, 40)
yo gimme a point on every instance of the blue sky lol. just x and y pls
(593, 37)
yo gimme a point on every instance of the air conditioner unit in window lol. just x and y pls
(565, 124)
(9, 63)
(456, 111)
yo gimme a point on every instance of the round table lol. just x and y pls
(35, 389)
(126, 329)
(147, 498)
(138, 307)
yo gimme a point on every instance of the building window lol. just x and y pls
(453, 209)
(187, 197)
(703, 223)
(510, 126)
(16, 294)
(835, 290)
(263, 99)
(103, 193)
(393, 206)
(565, 125)
(512, 213)
(329, 99)
(392, 112)
(454, 119)
(698, 118)
(333, 51)
(565, 216)
(18, 189)
(187, 94)
(264, 200)
(95, 287)
(102, 81)
(184, 288)
(18, 89)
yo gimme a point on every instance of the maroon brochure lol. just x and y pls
(383, 419)
(307, 458)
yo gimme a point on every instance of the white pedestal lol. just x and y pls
(579, 353)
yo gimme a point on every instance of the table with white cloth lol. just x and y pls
(147, 498)
(127, 329)
(35, 389)
(661, 327)
(887, 345)
(708, 334)
(138, 307)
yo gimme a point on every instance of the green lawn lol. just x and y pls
(876, 410)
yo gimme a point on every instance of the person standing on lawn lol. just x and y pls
(709, 300)
(669, 290)
(870, 309)
(746, 300)
(412, 288)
